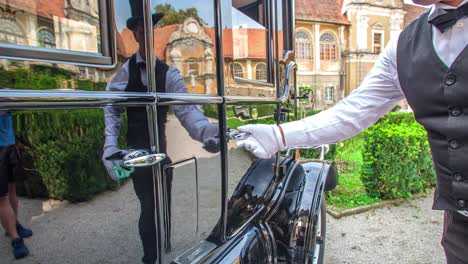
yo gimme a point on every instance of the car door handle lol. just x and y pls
(233, 134)
(131, 158)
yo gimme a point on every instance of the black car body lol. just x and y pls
(220, 206)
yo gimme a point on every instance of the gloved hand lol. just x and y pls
(210, 138)
(110, 164)
(264, 141)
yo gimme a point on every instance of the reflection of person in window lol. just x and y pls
(132, 78)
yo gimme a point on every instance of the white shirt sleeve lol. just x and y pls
(191, 118)
(112, 114)
(379, 93)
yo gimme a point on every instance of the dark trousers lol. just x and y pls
(144, 185)
(455, 238)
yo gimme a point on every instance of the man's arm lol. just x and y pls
(191, 118)
(112, 114)
(379, 93)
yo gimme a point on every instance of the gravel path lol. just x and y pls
(409, 233)
(104, 231)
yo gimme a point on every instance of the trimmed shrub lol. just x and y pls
(397, 118)
(210, 111)
(396, 158)
(61, 154)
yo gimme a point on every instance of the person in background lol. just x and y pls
(428, 66)
(132, 77)
(9, 163)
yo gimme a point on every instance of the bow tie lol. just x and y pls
(445, 19)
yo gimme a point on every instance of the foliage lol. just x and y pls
(210, 111)
(315, 153)
(350, 191)
(53, 71)
(397, 118)
(396, 159)
(41, 77)
(61, 152)
(173, 16)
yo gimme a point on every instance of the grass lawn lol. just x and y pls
(350, 191)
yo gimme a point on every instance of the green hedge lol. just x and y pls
(396, 158)
(40, 77)
(61, 153)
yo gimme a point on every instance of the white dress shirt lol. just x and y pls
(379, 92)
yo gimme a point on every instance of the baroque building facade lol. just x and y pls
(338, 42)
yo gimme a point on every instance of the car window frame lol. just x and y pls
(105, 59)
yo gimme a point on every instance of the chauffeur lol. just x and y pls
(427, 65)
(132, 78)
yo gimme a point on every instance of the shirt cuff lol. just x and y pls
(295, 135)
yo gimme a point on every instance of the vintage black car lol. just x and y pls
(144, 150)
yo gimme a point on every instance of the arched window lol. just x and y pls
(303, 46)
(238, 70)
(46, 38)
(10, 32)
(328, 47)
(260, 72)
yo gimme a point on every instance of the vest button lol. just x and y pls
(456, 111)
(457, 177)
(450, 79)
(454, 144)
(461, 203)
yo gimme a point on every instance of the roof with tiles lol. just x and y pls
(328, 11)
(256, 44)
(43, 8)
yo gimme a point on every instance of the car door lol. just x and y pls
(65, 74)
(189, 193)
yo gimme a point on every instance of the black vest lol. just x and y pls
(438, 95)
(137, 117)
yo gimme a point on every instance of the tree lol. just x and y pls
(172, 16)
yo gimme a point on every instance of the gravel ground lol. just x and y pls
(104, 231)
(409, 233)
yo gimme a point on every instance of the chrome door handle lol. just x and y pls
(137, 158)
(233, 134)
(144, 159)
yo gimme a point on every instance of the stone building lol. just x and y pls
(338, 42)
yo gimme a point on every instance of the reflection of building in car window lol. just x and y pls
(70, 25)
(188, 46)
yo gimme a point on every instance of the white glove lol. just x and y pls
(264, 141)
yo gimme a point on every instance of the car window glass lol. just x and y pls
(184, 39)
(64, 25)
(249, 51)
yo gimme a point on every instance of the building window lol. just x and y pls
(260, 72)
(377, 42)
(329, 94)
(238, 70)
(46, 38)
(328, 49)
(10, 32)
(303, 46)
(74, 32)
